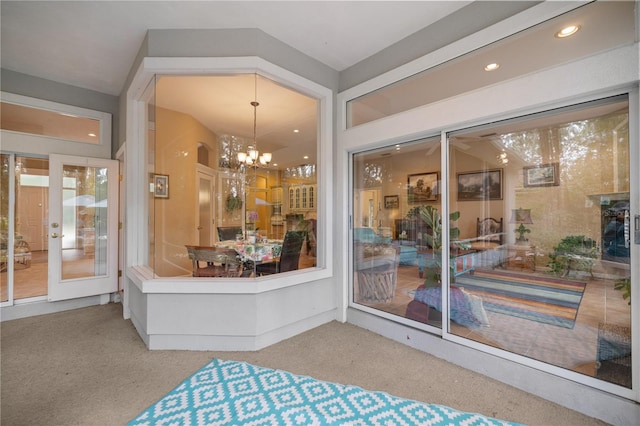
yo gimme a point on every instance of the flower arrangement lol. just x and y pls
(252, 218)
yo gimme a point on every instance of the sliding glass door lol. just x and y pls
(532, 257)
(547, 198)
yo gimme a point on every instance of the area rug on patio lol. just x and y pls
(237, 393)
(546, 300)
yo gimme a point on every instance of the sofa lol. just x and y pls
(408, 254)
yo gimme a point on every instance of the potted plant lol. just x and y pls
(577, 251)
(431, 216)
(624, 285)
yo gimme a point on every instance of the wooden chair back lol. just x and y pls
(490, 230)
(226, 233)
(289, 257)
(214, 262)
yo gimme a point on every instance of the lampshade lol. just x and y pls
(521, 216)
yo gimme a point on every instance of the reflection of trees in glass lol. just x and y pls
(593, 159)
(577, 146)
(229, 147)
(303, 171)
(372, 175)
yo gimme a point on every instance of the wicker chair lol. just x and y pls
(376, 272)
(214, 262)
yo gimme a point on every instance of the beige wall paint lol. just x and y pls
(177, 138)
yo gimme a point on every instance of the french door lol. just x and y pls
(82, 227)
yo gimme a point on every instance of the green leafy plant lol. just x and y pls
(624, 285)
(233, 202)
(574, 250)
(431, 216)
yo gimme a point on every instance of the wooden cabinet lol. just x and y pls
(302, 197)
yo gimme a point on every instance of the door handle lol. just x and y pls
(200, 228)
(54, 235)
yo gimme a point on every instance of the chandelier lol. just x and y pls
(252, 157)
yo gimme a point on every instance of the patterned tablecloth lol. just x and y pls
(257, 252)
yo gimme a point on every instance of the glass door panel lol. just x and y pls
(82, 227)
(544, 214)
(392, 243)
(24, 251)
(6, 175)
(83, 217)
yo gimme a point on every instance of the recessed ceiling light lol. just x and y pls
(492, 67)
(93, 135)
(306, 157)
(568, 31)
(296, 131)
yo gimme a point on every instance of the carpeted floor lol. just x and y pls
(89, 367)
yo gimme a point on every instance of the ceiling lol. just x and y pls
(93, 44)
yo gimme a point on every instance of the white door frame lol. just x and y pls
(103, 283)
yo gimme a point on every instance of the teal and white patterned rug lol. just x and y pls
(237, 393)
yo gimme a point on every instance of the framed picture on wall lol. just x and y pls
(161, 186)
(542, 175)
(422, 187)
(480, 185)
(391, 202)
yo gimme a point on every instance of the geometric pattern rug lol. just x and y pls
(547, 300)
(238, 393)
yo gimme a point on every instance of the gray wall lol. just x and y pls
(462, 23)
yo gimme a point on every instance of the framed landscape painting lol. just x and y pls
(422, 187)
(480, 185)
(391, 201)
(542, 175)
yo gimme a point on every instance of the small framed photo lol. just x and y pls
(542, 175)
(391, 202)
(161, 186)
(480, 186)
(422, 187)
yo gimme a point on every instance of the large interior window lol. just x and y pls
(537, 247)
(233, 186)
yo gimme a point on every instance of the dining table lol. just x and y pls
(259, 252)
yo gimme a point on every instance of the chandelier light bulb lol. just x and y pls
(253, 154)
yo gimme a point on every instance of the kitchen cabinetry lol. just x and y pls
(302, 197)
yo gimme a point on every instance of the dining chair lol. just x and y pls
(214, 262)
(226, 233)
(289, 257)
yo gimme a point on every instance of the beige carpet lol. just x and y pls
(89, 367)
